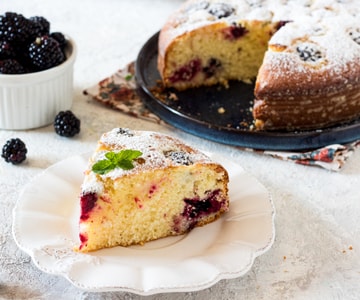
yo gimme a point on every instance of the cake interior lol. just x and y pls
(197, 58)
(151, 205)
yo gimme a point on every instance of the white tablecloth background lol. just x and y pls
(316, 250)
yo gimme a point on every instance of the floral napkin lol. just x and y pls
(118, 91)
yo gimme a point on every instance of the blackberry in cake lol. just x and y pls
(141, 186)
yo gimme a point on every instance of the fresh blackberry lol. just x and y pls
(6, 50)
(45, 53)
(39, 26)
(11, 66)
(66, 124)
(14, 28)
(60, 38)
(14, 151)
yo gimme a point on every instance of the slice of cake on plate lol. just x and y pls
(141, 186)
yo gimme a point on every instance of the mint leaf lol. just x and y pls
(110, 156)
(128, 155)
(125, 165)
(123, 159)
(103, 166)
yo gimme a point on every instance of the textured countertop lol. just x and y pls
(316, 250)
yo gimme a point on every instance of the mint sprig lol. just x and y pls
(123, 159)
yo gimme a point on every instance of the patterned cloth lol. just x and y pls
(119, 92)
(332, 157)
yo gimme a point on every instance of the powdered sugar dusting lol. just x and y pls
(327, 25)
(329, 36)
(158, 151)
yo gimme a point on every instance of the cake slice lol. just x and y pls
(141, 186)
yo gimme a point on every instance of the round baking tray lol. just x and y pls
(224, 114)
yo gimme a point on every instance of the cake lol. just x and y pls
(141, 186)
(302, 56)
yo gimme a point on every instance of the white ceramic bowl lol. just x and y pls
(32, 100)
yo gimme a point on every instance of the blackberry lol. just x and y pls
(45, 53)
(179, 157)
(39, 26)
(211, 68)
(11, 66)
(355, 35)
(6, 50)
(66, 124)
(221, 10)
(307, 53)
(281, 24)
(196, 207)
(238, 31)
(14, 151)
(14, 28)
(186, 72)
(60, 38)
(125, 131)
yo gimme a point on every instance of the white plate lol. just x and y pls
(45, 225)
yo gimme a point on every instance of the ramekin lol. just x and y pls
(32, 100)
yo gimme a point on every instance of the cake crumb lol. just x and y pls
(172, 96)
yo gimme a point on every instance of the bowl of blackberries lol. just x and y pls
(36, 72)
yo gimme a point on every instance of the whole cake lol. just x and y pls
(304, 56)
(141, 186)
